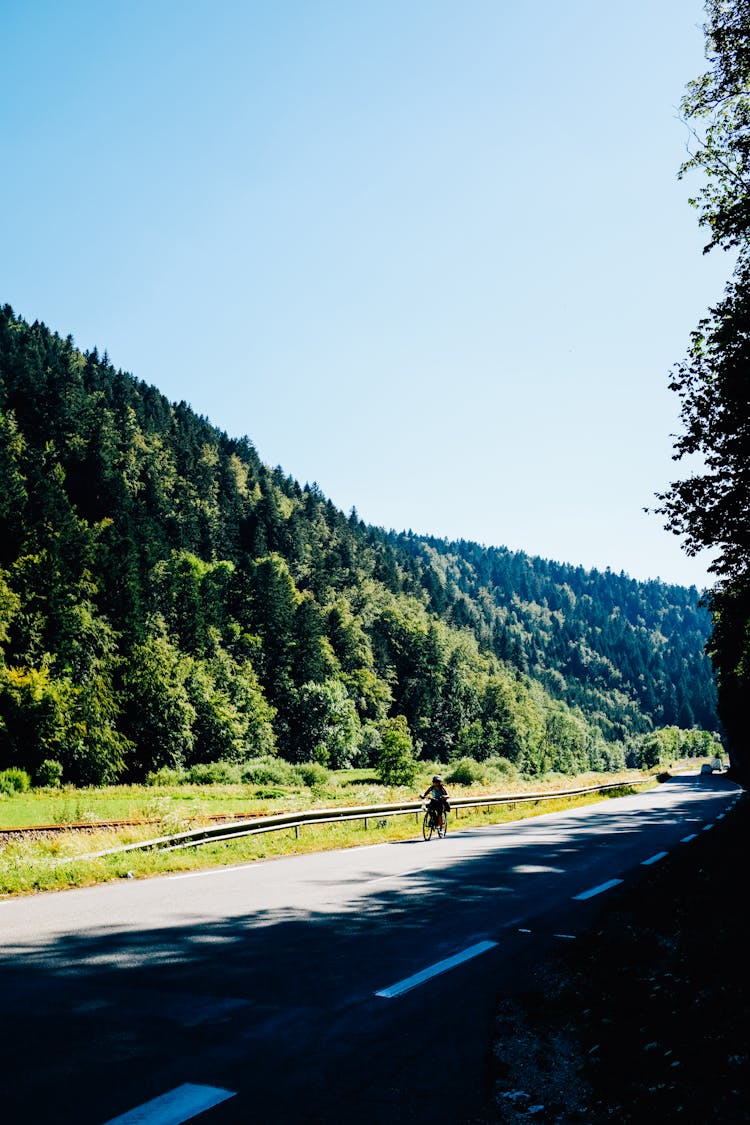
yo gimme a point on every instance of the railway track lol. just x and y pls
(38, 831)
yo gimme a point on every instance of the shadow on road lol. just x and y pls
(281, 998)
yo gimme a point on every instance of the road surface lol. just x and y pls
(312, 989)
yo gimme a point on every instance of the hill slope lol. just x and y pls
(165, 599)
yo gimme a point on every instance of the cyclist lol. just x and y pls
(438, 795)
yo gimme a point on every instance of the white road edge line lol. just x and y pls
(653, 859)
(597, 890)
(175, 1106)
(395, 875)
(434, 970)
(209, 871)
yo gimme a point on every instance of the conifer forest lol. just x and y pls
(166, 599)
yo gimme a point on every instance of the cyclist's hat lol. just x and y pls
(437, 777)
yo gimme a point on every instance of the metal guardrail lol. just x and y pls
(295, 820)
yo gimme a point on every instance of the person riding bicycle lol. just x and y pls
(438, 795)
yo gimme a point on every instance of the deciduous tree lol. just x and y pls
(711, 508)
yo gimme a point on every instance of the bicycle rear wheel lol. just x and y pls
(443, 828)
(428, 826)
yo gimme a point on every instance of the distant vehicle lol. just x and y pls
(715, 764)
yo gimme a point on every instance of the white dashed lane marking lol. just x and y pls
(597, 890)
(434, 970)
(653, 859)
(174, 1107)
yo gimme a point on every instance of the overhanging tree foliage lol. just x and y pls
(711, 508)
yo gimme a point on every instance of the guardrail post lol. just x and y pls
(296, 831)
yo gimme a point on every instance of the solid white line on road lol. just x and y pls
(174, 1107)
(597, 890)
(395, 875)
(653, 859)
(434, 970)
(212, 871)
(687, 839)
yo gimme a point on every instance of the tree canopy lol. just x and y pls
(711, 507)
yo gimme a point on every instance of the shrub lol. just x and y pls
(500, 769)
(495, 770)
(50, 773)
(13, 781)
(320, 754)
(165, 775)
(311, 774)
(465, 772)
(268, 771)
(214, 773)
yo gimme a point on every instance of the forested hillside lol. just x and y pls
(167, 599)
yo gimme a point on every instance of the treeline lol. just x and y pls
(616, 648)
(166, 599)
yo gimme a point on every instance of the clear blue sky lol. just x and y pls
(431, 255)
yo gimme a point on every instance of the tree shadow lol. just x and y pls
(277, 987)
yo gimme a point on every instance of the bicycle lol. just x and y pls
(430, 823)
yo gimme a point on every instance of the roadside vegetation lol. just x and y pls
(43, 860)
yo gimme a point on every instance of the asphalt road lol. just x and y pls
(359, 983)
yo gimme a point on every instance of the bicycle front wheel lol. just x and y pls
(427, 825)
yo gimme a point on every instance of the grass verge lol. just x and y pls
(50, 863)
